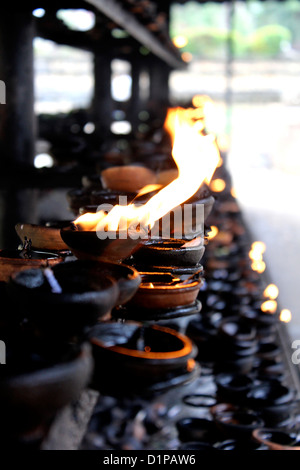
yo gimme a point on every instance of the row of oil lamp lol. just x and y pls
(253, 401)
(63, 320)
(244, 398)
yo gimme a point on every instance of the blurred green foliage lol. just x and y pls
(261, 29)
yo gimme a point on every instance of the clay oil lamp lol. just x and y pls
(170, 254)
(233, 388)
(43, 237)
(274, 401)
(36, 386)
(12, 261)
(127, 178)
(277, 439)
(238, 344)
(270, 369)
(204, 332)
(162, 296)
(100, 234)
(64, 300)
(235, 422)
(195, 429)
(85, 244)
(131, 359)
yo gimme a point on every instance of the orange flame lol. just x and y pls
(285, 315)
(271, 291)
(196, 156)
(213, 232)
(269, 306)
(218, 185)
(256, 255)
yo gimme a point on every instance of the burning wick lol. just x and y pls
(213, 232)
(256, 255)
(271, 291)
(269, 306)
(55, 287)
(196, 155)
(285, 315)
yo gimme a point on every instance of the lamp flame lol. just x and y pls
(271, 291)
(269, 306)
(196, 156)
(285, 315)
(213, 232)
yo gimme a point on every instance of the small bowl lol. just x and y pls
(127, 178)
(238, 424)
(30, 400)
(42, 237)
(132, 359)
(197, 429)
(169, 253)
(277, 439)
(86, 245)
(233, 387)
(84, 297)
(273, 400)
(164, 291)
(11, 261)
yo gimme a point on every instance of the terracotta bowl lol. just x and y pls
(197, 429)
(169, 253)
(42, 237)
(163, 291)
(86, 245)
(30, 399)
(127, 278)
(277, 439)
(237, 424)
(11, 262)
(130, 358)
(86, 296)
(275, 401)
(128, 178)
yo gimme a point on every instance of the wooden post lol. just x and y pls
(102, 103)
(159, 87)
(17, 119)
(134, 104)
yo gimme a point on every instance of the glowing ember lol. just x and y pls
(191, 365)
(258, 247)
(217, 185)
(271, 291)
(196, 156)
(256, 255)
(214, 231)
(258, 266)
(233, 192)
(285, 315)
(269, 306)
(180, 41)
